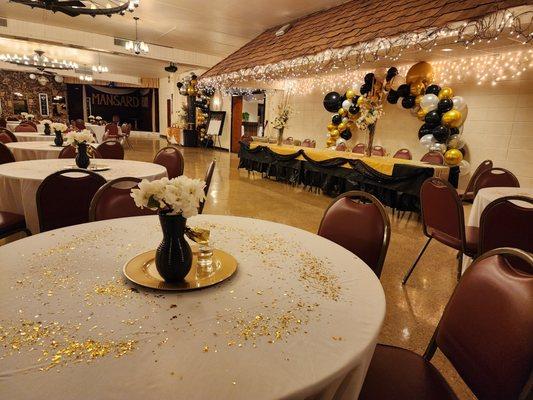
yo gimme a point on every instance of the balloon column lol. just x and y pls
(442, 112)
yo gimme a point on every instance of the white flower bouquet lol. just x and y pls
(98, 118)
(46, 122)
(59, 127)
(370, 113)
(91, 116)
(181, 195)
(24, 114)
(74, 138)
(281, 120)
(30, 117)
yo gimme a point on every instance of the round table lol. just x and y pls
(19, 181)
(33, 137)
(38, 150)
(298, 320)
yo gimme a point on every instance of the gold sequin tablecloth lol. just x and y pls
(298, 320)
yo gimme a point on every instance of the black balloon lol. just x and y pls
(346, 135)
(369, 78)
(404, 90)
(432, 118)
(454, 131)
(441, 133)
(355, 98)
(391, 73)
(179, 85)
(393, 97)
(424, 130)
(332, 102)
(433, 89)
(365, 88)
(354, 109)
(408, 102)
(445, 105)
(336, 119)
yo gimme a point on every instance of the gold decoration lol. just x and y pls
(350, 94)
(342, 127)
(341, 111)
(331, 142)
(418, 99)
(142, 271)
(445, 93)
(420, 72)
(335, 134)
(360, 100)
(417, 88)
(453, 157)
(191, 91)
(331, 127)
(380, 74)
(421, 114)
(452, 118)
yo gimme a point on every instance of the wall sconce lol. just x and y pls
(217, 101)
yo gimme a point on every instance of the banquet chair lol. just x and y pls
(288, 140)
(6, 156)
(113, 200)
(172, 159)
(433, 157)
(3, 122)
(443, 220)
(207, 179)
(79, 124)
(11, 223)
(24, 127)
(495, 177)
(359, 148)
(341, 147)
(486, 332)
(507, 222)
(70, 152)
(63, 200)
(111, 149)
(126, 131)
(32, 123)
(111, 131)
(309, 143)
(403, 154)
(358, 222)
(468, 194)
(378, 151)
(6, 136)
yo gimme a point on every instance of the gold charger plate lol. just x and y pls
(141, 270)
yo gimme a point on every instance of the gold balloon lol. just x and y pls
(342, 127)
(331, 142)
(331, 127)
(350, 94)
(420, 72)
(445, 93)
(453, 157)
(191, 91)
(380, 74)
(335, 134)
(341, 111)
(417, 88)
(360, 100)
(421, 114)
(452, 118)
(418, 99)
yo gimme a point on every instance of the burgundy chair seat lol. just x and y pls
(400, 374)
(471, 239)
(433, 157)
(5, 154)
(359, 148)
(25, 127)
(172, 159)
(111, 149)
(404, 154)
(11, 223)
(6, 136)
(495, 177)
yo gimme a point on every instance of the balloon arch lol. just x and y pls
(443, 113)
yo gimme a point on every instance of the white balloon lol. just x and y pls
(356, 87)
(440, 147)
(464, 168)
(427, 140)
(340, 141)
(429, 102)
(456, 142)
(458, 103)
(346, 104)
(399, 103)
(345, 120)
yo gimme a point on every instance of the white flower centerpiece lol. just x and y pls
(175, 200)
(24, 115)
(30, 117)
(81, 140)
(59, 128)
(47, 126)
(370, 112)
(281, 120)
(98, 119)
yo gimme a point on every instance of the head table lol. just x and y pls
(299, 319)
(19, 181)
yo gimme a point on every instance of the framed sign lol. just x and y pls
(216, 123)
(43, 105)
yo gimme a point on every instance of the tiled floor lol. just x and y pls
(412, 311)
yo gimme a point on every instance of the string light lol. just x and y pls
(352, 58)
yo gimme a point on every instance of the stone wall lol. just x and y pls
(19, 82)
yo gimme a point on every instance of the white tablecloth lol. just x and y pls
(312, 340)
(38, 150)
(99, 131)
(33, 137)
(12, 125)
(19, 181)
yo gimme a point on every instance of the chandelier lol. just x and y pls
(74, 8)
(136, 46)
(99, 69)
(38, 60)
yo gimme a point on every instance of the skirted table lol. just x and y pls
(395, 182)
(298, 320)
(19, 181)
(33, 137)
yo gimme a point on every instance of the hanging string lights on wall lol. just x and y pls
(467, 35)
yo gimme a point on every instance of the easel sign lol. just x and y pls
(43, 105)
(216, 123)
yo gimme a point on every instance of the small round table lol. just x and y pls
(33, 137)
(38, 150)
(19, 181)
(298, 320)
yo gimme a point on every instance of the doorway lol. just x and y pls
(236, 123)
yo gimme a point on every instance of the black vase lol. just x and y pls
(82, 158)
(47, 130)
(58, 141)
(173, 257)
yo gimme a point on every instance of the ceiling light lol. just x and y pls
(447, 49)
(136, 46)
(86, 78)
(73, 8)
(38, 60)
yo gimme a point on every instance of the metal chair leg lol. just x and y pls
(408, 274)
(459, 265)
